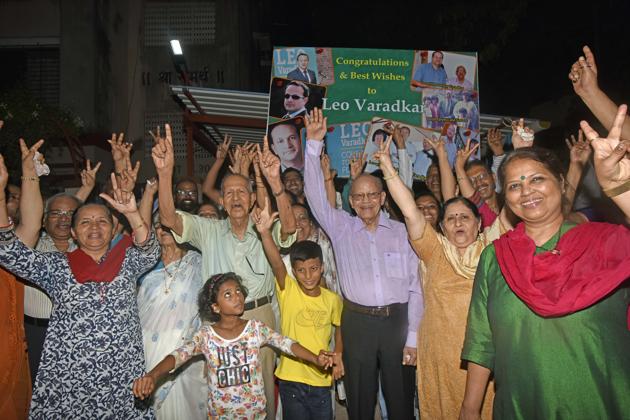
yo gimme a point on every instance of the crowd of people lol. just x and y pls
(480, 293)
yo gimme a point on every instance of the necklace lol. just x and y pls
(169, 277)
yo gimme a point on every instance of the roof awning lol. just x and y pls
(243, 115)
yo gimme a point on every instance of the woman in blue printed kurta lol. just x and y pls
(93, 348)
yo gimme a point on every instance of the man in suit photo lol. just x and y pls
(295, 99)
(302, 72)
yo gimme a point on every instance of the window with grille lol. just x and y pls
(191, 22)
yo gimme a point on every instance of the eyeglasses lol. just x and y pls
(186, 193)
(480, 177)
(58, 213)
(294, 97)
(371, 196)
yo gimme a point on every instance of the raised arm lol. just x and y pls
(270, 168)
(414, 219)
(579, 152)
(146, 202)
(4, 180)
(495, 142)
(329, 180)
(264, 220)
(465, 186)
(326, 215)
(88, 180)
(208, 187)
(23, 261)
(447, 180)
(357, 163)
(31, 202)
(583, 75)
(125, 203)
(404, 164)
(164, 160)
(120, 152)
(261, 188)
(612, 166)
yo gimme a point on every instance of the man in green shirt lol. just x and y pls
(232, 245)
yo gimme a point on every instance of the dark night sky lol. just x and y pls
(526, 47)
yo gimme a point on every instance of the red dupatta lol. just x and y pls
(85, 269)
(589, 262)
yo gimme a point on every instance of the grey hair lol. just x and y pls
(61, 195)
(250, 188)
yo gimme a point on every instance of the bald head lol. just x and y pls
(367, 179)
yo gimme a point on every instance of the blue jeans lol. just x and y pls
(302, 402)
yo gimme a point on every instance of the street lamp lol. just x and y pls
(177, 53)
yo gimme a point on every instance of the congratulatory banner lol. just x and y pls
(364, 93)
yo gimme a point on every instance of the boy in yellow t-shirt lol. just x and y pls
(308, 314)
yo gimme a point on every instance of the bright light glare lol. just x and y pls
(176, 47)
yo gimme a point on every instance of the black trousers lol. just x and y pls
(35, 336)
(373, 345)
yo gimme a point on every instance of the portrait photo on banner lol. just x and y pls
(285, 140)
(455, 138)
(417, 148)
(294, 98)
(442, 69)
(344, 142)
(296, 63)
(442, 106)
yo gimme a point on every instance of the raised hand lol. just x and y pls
(88, 175)
(127, 179)
(162, 152)
(236, 154)
(4, 173)
(224, 148)
(495, 141)
(28, 155)
(325, 163)
(583, 73)
(464, 154)
(152, 186)
(269, 165)
(612, 165)
(399, 140)
(143, 387)
(120, 149)
(522, 136)
(357, 163)
(247, 157)
(123, 201)
(315, 124)
(263, 218)
(579, 150)
(437, 145)
(384, 159)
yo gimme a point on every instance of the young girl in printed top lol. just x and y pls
(230, 346)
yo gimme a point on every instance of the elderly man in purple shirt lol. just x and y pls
(378, 274)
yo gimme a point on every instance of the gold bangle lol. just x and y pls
(140, 225)
(327, 179)
(30, 178)
(619, 189)
(392, 176)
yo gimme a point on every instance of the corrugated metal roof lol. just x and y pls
(254, 106)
